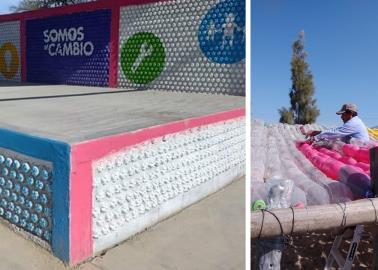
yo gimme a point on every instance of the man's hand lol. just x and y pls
(311, 140)
(312, 133)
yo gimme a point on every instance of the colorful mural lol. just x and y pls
(69, 49)
(203, 44)
(180, 45)
(10, 51)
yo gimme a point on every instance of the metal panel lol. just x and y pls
(183, 45)
(10, 64)
(69, 49)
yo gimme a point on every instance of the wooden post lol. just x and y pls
(374, 185)
(269, 251)
(374, 170)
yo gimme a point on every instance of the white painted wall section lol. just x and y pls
(143, 184)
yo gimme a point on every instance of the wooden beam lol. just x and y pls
(313, 218)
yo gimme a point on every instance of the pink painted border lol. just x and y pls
(95, 149)
(23, 50)
(113, 61)
(100, 4)
(80, 230)
(82, 156)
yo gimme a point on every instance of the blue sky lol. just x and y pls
(341, 38)
(5, 4)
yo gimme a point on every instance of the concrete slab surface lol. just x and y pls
(207, 235)
(74, 113)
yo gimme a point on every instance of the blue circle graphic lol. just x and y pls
(221, 33)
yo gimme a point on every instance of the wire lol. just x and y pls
(288, 239)
(262, 223)
(292, 223)
(375, 210)
(279, 222)
(343, 221)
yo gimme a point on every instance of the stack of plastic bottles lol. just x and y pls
(258, 145)
(275, 156)
(348, 163)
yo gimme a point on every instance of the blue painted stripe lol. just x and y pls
(59, 154)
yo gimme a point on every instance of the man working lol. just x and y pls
(353, 127)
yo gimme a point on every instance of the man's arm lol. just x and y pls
(313, 133)
(336, 133)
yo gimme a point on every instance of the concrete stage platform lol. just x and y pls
(82, 169)
(73, 114)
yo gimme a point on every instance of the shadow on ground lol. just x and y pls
(309, 251)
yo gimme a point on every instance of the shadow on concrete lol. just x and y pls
(18, 84)
(135, 88)
(70, 95)
(106, 91)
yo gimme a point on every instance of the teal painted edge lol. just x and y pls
(59, 154)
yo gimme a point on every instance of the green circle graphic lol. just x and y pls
(142, 58)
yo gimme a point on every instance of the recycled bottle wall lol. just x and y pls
(138, 186)
(25, 193)
(69, 49)
(10, 57)
(274, 156)
(195, 46)
(178, 45)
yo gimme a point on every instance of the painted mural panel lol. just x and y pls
(69, 49)
(183, 45)
(10, 63)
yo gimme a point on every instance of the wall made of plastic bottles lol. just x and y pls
(138, 186)
(348, 163)
(178, 45)
(182, 45)
(10, 56)
(274, 155)
(25, 193)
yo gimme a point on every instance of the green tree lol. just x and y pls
(286, 116)
(26, 5)
(303, 108)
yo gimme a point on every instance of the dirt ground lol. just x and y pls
(310, 251)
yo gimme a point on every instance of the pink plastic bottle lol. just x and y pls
(318, 161)
(330, 153)
(350, 150)
(348, 160)
(363, 166)
(331, 168)
(363, 155)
